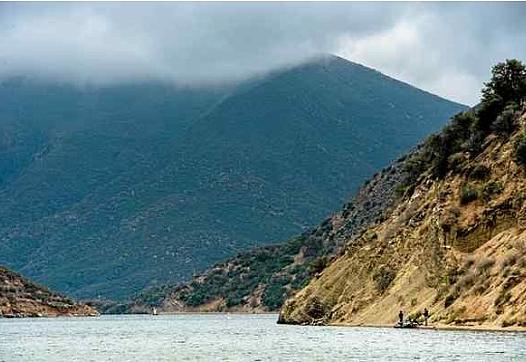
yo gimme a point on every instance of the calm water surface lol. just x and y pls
(240, 338)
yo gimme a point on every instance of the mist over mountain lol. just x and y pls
(105, 191)
(445, 48)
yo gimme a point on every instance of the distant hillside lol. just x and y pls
(262, 278)
(454, 242)
(20, 297)
(110, 190)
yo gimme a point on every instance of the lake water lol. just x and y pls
(240, 338)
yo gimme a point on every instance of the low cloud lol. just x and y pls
(443, 48)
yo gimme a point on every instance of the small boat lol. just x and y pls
(409, 324)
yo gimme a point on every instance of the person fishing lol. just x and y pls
(426, 316)
(401, 318)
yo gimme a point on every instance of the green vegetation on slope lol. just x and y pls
(262, 278)
(234, 282)
(464, 137)
(237, 282)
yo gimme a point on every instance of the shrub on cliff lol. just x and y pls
(316, 309)
(497, 112)
(505, 90)
(487, 112)
(506, 122)
(479, 172)
(492, 188)
(318, 265)
(468, 194)
(383, 278)
(457, 137)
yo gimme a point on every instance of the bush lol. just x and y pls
(474, 143)
(482, 287)
(506, 87)
(487, 112)
(456, 161)
(274, 295)
(318, 265)
(383, 278)
(510, 259)
(413, 168)
(485, 265)
(492, 188)
(503, 298)
(520, 150)
(506, 122)
(468, 194)
(450, 299)
(445, 151)
(196, 298)
(316, 309)
(467, 281)
(461, 125)
(437, 149)
(479, 172)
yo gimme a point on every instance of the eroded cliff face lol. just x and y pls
(456, 246)
(20, 297)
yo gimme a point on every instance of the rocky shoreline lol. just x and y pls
(22, 298)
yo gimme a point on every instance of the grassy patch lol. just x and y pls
(383, 278)
(468, 194)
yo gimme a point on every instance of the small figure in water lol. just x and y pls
(426, 316)
(401, 318)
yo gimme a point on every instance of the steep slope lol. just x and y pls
(136, 192)
(261, 279)
(20, 297)
(454, 243)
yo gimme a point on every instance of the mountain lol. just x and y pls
(454, 241)
(20, 297)
(110, 190)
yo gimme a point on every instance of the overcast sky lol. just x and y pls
(445, 48)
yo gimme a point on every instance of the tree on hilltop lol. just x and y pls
(508, 82)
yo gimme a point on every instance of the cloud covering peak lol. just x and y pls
(443, 48)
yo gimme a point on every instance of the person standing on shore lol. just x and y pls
(401, 318)
(426, 316)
